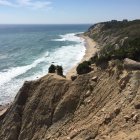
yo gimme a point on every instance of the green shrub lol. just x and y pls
(130, 49)
(94, 59)
(102, 59)
(52, 69)
(83, 68)
(119, 64)
(114, 32)
(59, 70)
(94, 36)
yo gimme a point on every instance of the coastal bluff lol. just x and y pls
(103, 104)
(55, 108)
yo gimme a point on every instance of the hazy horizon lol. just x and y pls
(67, 12)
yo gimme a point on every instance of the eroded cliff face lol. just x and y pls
(104, 104)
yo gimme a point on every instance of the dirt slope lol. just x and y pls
(101, 105)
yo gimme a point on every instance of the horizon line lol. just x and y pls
(45, 23)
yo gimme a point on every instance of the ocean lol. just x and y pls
(27, 51)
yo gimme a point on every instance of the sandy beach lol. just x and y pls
(90, 51)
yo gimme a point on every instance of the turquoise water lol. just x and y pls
(26, 52)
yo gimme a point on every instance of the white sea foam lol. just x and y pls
(67, 56)
(11, 73)
(70, 37)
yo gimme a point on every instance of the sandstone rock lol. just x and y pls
(95, 78)
(123, 82)
(73, 77)
(133, 114)
(131, 64)
(135, 118)
(107, 119)
(127, 118)
(87, 94)
(68, 138)
(117, 111)
(137, 105)
(88, 101)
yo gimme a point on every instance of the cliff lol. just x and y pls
(103, 104)
(117, 39)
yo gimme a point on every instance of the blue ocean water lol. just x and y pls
(26, 52)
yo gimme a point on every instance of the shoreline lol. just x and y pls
(90, 51)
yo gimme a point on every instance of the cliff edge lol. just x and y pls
(99, 105)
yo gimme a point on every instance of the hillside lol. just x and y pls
(103, 104)
(117, 39)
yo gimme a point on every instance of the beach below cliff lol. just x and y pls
(30, 50)
(91, 49)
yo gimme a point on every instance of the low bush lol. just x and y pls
(130, 49)
(83, 68)
(52, 69)
(119, 64)
(56, 69)
(59, 70)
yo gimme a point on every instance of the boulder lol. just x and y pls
(135, 118)
(73, 77)
(95, 78)
(127, 118)
(137, 105)
(131, 64)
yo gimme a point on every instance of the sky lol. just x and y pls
(67, 11)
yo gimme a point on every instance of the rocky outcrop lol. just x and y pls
(90, 107)
(131, 64)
